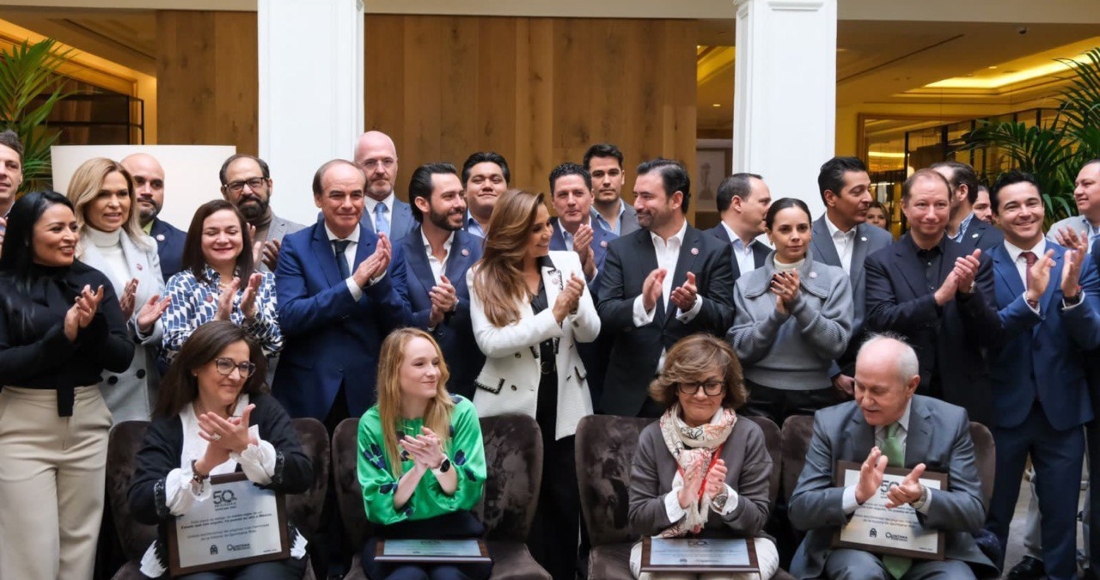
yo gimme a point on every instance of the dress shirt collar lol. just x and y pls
(1014, 252)
(834, 231)
(446, 244)
(738, 245)
(353, 238)
(678, 236)
(903, 421)
(473, 226)
(963, 226)
(370, 203)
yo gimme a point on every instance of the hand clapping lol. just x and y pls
(425, 449)
(569, 298)
(80, 314)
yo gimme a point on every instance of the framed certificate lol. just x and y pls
(432, 551)
(241, 524)
(881, 530)
(699, 555)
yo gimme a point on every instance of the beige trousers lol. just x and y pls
(52, 472)
(767, 557)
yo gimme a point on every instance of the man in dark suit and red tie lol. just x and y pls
(436, 255)
(660, 284)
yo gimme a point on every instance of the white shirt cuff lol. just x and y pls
(641, 317)
(1034, 309)
(180, 494)
(257, 461)
(927, 504)
(848, 501)
(686, 317)
(731, 503)
(673, 510)
(356, 291)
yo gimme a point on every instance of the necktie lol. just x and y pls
(897, 566)
(381, 222)
(1031, 259)
(341, 260)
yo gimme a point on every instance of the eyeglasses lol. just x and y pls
(370, 164)
(225, 366)
(711, 388)
(253, 184)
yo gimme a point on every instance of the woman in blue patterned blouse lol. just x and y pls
(218, 282)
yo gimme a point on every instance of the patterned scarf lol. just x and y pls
(694, 448)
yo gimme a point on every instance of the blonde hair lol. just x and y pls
(437, 416)
(85, 185)
(498, 279)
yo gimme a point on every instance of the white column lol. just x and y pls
(311, 93)
(784, 99)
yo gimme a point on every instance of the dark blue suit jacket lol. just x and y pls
(1041, 355)
(983, 236)
(170, 242)
(949, 339)
(759, 251)
(600, 239)
(455, 335)
(329, 338)
(401, 221)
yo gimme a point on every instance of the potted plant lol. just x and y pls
(29, 89)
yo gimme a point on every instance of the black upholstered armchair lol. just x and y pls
(123, 445)
(513, 457)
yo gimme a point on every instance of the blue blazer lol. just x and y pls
(600, 239)
(330, 338)
(401, 221)
(170, 242)
(454, 335)
(1042, 355)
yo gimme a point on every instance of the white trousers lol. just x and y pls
(52, 473)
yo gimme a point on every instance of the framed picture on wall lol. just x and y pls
(712, 166)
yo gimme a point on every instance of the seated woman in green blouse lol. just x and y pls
(421, 459)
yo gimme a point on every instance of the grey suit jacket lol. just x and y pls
(748, 466)
(279, 229)
(869, 239)
(1078, 223)
(131, 395)
(938, 436)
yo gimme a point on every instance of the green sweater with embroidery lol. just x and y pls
(465, 450)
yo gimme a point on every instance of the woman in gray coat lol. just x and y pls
(111, 241)
(701, 471)
(793, 318)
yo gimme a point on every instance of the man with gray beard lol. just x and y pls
(247, 184)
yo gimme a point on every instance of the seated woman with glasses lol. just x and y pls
(215, 417)
(421, 458)
(793, 317)
(701, 471)
(219, 282)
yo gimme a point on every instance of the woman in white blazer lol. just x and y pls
(529, 307)
(112, 242)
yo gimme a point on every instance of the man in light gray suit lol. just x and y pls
(842, 237)
(1086, 194)
(382, 211)
(247, 184)
(888, 425)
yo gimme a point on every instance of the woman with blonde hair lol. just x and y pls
(701, 471)
(528, 308)
(421, 458)
(102, 193)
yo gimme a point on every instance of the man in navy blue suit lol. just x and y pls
(964, 226)
(148, 178)
(336, 303)
(575, 230)
(743, 200)
(383, 213)
(1048, 299)
(436, 256)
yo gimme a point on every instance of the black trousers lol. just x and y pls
(778, 404)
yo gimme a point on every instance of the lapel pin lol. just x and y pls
(695, 251)
(603, 243)
(160, 237)
(465, 252)
(139, 267)
(813, 274)
(974, 235)
(862, 239)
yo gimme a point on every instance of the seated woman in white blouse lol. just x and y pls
(213, 417)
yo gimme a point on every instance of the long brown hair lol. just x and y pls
(499, 274)
(437, 416)
(688, 359)
(180, 386)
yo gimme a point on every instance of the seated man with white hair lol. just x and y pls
(887, 425)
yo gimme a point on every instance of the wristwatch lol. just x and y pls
(718, 504)
(444, 466)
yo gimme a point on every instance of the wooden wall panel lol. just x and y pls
(537, 90)
(207, 79)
